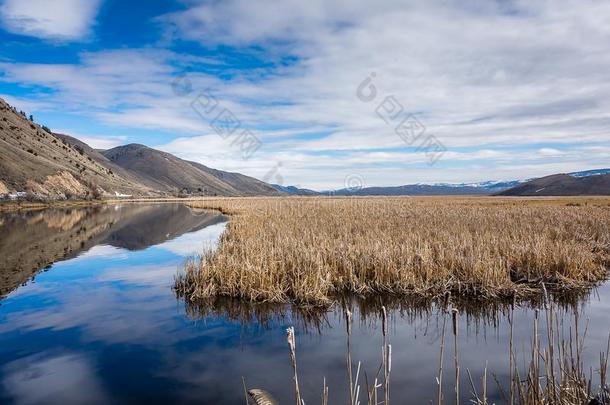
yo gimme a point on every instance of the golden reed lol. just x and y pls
(310, 250)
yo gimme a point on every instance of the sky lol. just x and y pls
(323, 94)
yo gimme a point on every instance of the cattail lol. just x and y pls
(439, 379)
(324, 393)
(352, 385)
(454, 317)
(290, 337)
(387, 355)
(261, 397)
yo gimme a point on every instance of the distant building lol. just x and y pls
(19, 195)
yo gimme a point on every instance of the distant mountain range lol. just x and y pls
(296, 190)
(486, 188)
(483, 188)
(36, 162)
(590, 182)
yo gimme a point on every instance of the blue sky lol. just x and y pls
(388, 93)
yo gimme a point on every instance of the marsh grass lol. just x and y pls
(308, 251)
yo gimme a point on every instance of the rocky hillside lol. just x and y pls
(44, 165)
(34, 160)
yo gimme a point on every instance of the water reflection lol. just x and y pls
(411, 308)
(104, 326)
(416, 333)
(54, 378)
(34, 240)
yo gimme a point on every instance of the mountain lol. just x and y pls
(563, 185)
(485, 188)
(98, 157)
(482, 188)
(414, 189)
(169, 174)
(244, 185)
(490, 187)
(292, 190)
(46, 165)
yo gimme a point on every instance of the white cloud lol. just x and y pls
(62, 20)
(517, 84)
(96, 141)
(102, 79)
(550, 152)
(25, 104)
(108, 142)
(327, 170)
(141, 275)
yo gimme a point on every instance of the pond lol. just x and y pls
(88, 316)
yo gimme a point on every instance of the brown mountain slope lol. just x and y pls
(39, 162)
(247, 185)
(98, 157)
(170, 174)
(57, 166)
(562, 185)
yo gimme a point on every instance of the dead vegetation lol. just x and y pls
(309, 250)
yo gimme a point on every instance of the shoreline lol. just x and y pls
(12, 206)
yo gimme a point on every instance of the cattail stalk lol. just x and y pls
(454, 313)
(293, 359)
(387, 355)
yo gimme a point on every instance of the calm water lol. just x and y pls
(88, 316)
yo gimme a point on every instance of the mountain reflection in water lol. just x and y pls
(33, 240)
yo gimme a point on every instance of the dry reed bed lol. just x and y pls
(309, 250)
